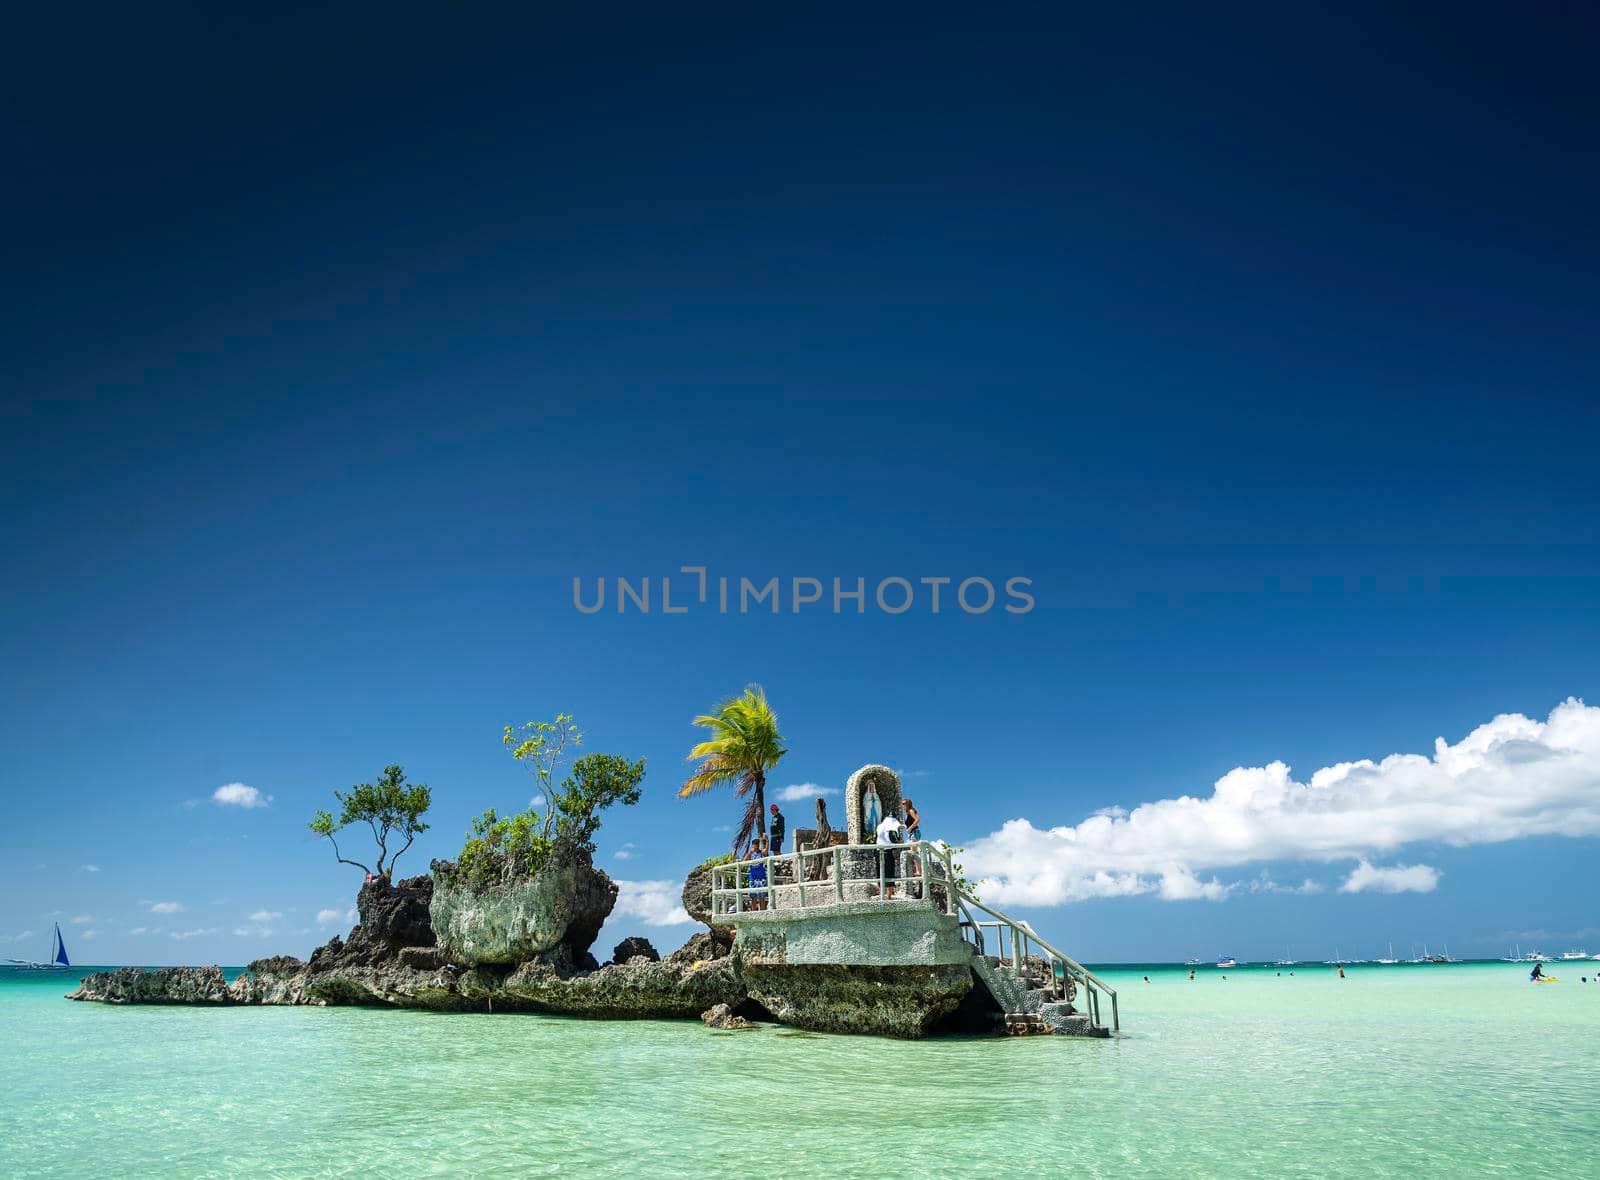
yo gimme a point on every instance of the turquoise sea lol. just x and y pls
(1461, 1070)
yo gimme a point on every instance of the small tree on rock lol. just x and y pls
(391, 808)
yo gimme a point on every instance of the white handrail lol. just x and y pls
(1093, 983)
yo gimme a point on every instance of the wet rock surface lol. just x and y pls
(723, 1016)
(905, 1002)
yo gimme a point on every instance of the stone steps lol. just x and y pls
(1030, 1006)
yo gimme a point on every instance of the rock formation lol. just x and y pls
(165, 985)
(425, 943)
(632, 948)
(561, 907)
(723, 1016)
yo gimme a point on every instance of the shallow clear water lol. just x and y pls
(1448, 1070)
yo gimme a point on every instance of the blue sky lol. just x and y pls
(1261, 343)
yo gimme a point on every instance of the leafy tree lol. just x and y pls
(509, 848)
(744, 745)
(959, 873)
(391, 808)
(541, 746)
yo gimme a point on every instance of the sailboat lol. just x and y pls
(1391, 960)
(58, 956)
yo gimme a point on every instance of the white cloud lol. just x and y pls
(655, 903)
(626, 852)
(1181, 885)
(90, 868)
(165, 907)
(1509, 778)
(324, 917)
(799, 791)
(723, 828)
(82, 920)
(23, 937)
(140, 930)
(536, 801)
(183, 934)
(256, 931)
(265, 916)
(239, 795)
(89, 935)
(1398, 879)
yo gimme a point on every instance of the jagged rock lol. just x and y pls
(631, 948)
(563, 905)
(886, 1001)
(697, 899)
(397, 915)
(421, 958)
(703, 944)
(641, 988)
(723, 1016)
(166, 985)
(268, 981)
(391, 917)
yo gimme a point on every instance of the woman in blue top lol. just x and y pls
(758, 875)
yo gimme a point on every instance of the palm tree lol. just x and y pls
(744, 745)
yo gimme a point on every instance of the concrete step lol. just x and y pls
(1026, 1024)
(1063, 1020)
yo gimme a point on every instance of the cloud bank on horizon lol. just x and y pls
(1510, 778)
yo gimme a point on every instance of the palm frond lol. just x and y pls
(743, 743)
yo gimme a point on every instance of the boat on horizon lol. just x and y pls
(1573, 956)
(1227, 961)
(1391, 960)
(58, 960)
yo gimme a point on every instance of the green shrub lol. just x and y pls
(500, 850)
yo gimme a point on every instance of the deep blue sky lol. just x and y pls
(337, 344)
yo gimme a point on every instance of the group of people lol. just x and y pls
(901, 825)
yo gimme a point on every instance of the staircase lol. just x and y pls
(1047, 988)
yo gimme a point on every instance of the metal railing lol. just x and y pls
(1020, 936)
(832, 875)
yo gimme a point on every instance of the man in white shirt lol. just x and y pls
(889, 833)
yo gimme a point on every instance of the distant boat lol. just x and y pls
(1196, 962)
(58, 956)
(1391, 960)
(1569, 956)
(1227, 961)
(1537, 957)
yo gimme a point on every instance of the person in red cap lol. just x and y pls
(777, 830)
